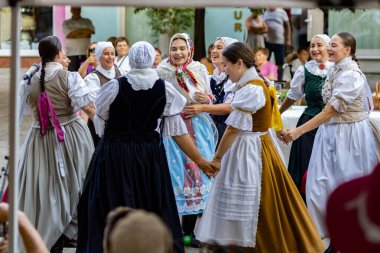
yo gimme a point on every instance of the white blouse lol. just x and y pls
(297, 84)
(347, 83)
(93, 82)
(78, 92)
(173, 123)
(247, 101)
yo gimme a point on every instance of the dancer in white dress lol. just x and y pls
(253, 202)
(345, 146)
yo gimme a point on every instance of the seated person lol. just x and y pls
(267, 68)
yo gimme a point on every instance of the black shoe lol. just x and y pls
(329, 250)
(58, 246)
(70, 243)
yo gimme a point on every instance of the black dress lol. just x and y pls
(129, 167)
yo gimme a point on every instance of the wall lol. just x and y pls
(105, 19)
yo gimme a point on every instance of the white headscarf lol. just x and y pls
(324, 37)
(227, 40)
(219, 77)
(100, 46)
(141, 58)
(141, 55)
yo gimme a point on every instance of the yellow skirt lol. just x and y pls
(284, 225)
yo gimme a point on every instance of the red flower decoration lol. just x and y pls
(322, 66)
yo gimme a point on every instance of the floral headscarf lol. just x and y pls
(182, 70)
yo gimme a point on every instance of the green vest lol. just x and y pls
(313, 93)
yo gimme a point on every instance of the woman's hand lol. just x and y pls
(207, 167)
(281, 135)
(192, 110)
(216, 164)
(292, 135)
(201, 98)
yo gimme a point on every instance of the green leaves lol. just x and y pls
(169, 21)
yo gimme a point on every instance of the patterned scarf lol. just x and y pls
(182, 70)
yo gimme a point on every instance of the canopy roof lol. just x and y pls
(204, 3)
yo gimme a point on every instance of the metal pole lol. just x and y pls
(14, 130)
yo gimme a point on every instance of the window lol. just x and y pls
(36, 23)
(363, 24)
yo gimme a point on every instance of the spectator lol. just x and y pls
(353, 217)
(122, 59)
(267, 68)
(256, 28)
(78, 32)
(158, 58)
(138, 231)
(90, 63)
(112, 39)
(207, 60)
(32, 240)
(302, 56)
(278, 36)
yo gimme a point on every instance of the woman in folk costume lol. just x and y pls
(221, 88)
(104, 72)
(57, 151)
(190, 78)
(129, 167)
(254, 203)
(308, 80)
(346, 145)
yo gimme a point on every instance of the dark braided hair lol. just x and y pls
(240, 50)
(48, 48)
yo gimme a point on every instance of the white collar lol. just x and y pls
(313, 67)
(50, 69)
(249, 75)
(110, 74)
(142, 79)
(218, 77)
(346, 63)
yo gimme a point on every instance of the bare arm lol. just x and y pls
(219, 109)
(90, 110)
(83, 68)
(287, 33)
(315, 122)
(228, 138)
(188, 147)
(32, 240)
(80, 33)
(286, 104)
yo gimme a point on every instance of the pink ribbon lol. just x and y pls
(44, 108)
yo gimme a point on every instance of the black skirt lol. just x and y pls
(300, 153)
(126, 170)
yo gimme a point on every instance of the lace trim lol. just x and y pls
(293, 96)
(193, 208)
(240, 120)
(174, 126)
(188, 192)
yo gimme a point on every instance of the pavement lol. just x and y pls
(27, 120)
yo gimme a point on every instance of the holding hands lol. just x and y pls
(209, 168)
(288, 135)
